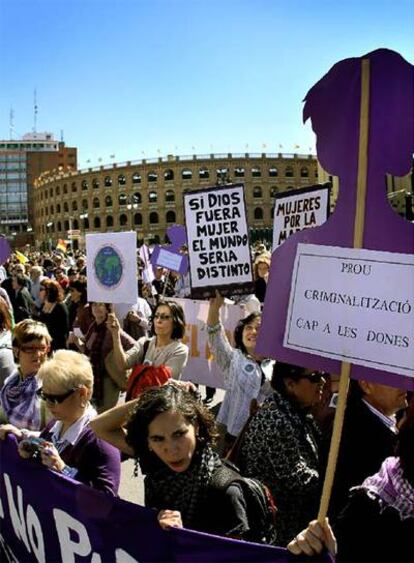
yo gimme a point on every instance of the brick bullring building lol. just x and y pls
(146, 196)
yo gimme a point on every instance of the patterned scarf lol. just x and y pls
(392, 488)
(20, 402)
(166, 489)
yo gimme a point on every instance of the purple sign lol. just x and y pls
(5, 250)
(333, 105)
(47, 517)
(171, 257)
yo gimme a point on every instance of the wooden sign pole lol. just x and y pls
(358, 241)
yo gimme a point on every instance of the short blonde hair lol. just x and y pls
(69, 369)
(28, 330)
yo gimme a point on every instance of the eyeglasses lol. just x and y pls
(54, 399)
(162, 317)
(315, 376)
(35, 349)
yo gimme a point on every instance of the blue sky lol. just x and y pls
(143, 78)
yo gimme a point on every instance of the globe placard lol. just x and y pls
(108, 267)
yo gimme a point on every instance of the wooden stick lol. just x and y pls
(357, 243)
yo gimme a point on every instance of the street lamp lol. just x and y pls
(48, 225)
(131, 207)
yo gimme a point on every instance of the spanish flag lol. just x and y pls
(21, 257)
(61, 245)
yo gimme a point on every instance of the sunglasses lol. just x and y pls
(54, 399)
(161, 317)
(34, 349)
(315, 376)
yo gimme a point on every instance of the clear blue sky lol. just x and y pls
(139, 78)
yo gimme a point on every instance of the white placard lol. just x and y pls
(353, 305)
(169, 260)
(111, 263)
(298, 210)
(218, 239)
(201, 366)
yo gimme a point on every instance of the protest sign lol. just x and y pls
(147, 272)
(171, 257)
(111, 263)
(201, 366)
(299, 209)
(218, 241)
(5, 250)
(47, 517)
(342, 306)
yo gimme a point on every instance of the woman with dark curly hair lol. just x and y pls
(54, 313)
(170, 434)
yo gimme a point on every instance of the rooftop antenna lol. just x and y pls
(11, 123)
(35, 110)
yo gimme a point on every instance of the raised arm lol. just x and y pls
(118, 353)
(214, 310)
(110, 426)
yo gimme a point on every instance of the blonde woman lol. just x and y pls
(68, 445)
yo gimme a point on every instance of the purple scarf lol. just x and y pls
(392, 488)
(19, 401)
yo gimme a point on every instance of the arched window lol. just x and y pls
(221, 172)
(239, 172)
(65, 188)
(46, 194)
(122, 199)
(46, 210)
(152, 176)
(123, 220)
(152, 197)
(273, 191)
(75, 224)
(121, 180)
(57, 190)
(108, 181)
(136, 198)
(203, 174)
(289, 172)
(95, 183)
(136, 178)
(109, 221)
(84, 184)
(153, 217)
(258, 213)
(256, 172)
(84, 204)
(96, 203)
(59, 226)
(273, 172)
(74, 187)
(51, 192)
(52, 211)
(169, 196)
(58, 208)
(86, 223)
(169, 175)
(74, 205)
(304, 172)
(186, 174)
(170, 217)
(97, 223)
(66, 225)
(257, 191)
(108, 201)
(137, 219)
(65, 207)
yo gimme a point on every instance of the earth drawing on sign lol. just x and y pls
(108, 266)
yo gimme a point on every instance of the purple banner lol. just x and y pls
(47, 517)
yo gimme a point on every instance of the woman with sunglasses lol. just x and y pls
(67, 444)
(19, 404)
(163, 348)
(280, 447)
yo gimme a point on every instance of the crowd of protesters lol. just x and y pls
(63, 360)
